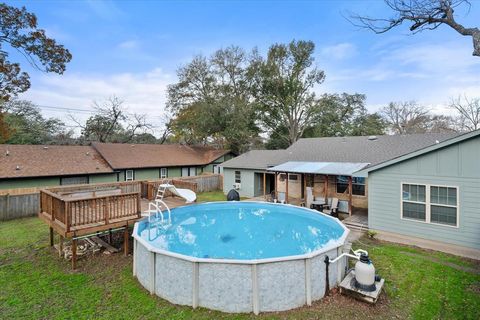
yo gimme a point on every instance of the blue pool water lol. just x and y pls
(243, 230)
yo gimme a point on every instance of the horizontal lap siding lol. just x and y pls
(452, 166)
(247, 185)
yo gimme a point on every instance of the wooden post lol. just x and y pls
(305, 187)
(276, 183)
(264, 184)
(51, 237)
(106, 210)
(125, 241)
(286, 187)
(60, 246)
(350, 195)
(326, 189)
(139, 206)
(68, 209)
(74, 254)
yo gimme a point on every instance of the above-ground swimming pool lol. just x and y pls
(239, 256)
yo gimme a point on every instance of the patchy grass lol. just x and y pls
(36, 284)
(213, 196)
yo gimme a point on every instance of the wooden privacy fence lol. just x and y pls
(196, 184)
(18, 205)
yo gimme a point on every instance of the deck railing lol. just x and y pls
(77, 212)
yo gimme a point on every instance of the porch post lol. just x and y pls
(304, 187)
(350, 195)
(276, 183)
(326, 189)
(286, 188)
(264, 184)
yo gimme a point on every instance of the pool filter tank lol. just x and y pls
(365, 273)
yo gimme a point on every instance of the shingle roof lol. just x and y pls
(340, 149)
(126, 156)
(41, 161)
(257, 159)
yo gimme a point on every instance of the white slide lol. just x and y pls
(186, 194)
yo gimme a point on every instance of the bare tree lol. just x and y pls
(421, 15)
(112, 123)
(406, 117)
(469, 112)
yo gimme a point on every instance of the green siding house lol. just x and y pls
(33, 166)
(431, 196)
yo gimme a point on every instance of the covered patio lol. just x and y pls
(293, 178)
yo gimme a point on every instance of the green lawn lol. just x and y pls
(36, 284)
(213, 196)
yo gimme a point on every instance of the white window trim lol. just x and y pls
(428, 204)
(163, 176)
(126, 175)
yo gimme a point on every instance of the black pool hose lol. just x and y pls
(327, 285)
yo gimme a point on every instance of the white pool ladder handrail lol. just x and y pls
(158, 222)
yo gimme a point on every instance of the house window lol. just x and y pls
(414, 202)
(216, 169)
(443, 205)
(73, 180)
(293, 177)
(189, 172)
(238, 177)
(432, 204)
(129, 175)
(358, 185)
(282, 176)
(163, 173)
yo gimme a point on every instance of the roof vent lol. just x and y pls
(372, 138)
(7, 153)
(45, 148)
(437, 142)
(88, 153)
(17, 168)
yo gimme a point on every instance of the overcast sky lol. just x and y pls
(132, 50)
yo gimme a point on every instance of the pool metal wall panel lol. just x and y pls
(173, 279)
(281, 285)
(143, 268)
(226, 287)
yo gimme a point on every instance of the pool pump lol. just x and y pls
(365, 273)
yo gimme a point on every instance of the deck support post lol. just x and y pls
(125, 241)
(60, 246)
(74, 253)
(51, 237)
(350, 195)
(110, 236)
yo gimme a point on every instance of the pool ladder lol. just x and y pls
(156, 218)
(162, 188)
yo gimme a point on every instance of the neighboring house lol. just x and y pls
(155, 161)
(432, 193)
(27, 166)
(325, 164)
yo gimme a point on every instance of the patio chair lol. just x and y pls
(310, 199)
(281, 197)
(332, 209)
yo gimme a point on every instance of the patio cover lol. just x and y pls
(329, 168)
